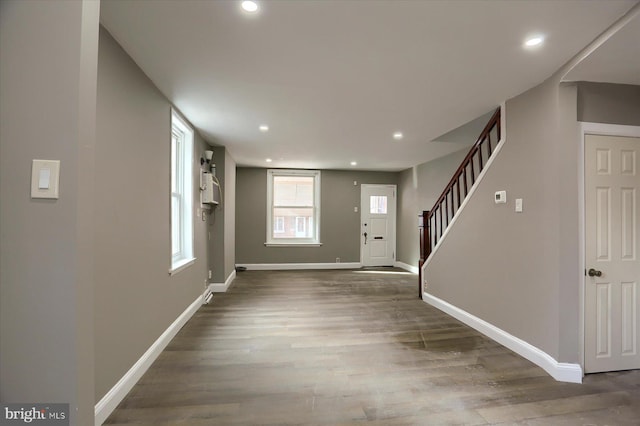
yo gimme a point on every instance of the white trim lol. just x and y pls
(481, 175)
(182, 265)
(317, 180)
(609, 129)
(184, 175)
(581, 247)
(407, 267)
(589, 128)
(563, 372)
(223, 287)
(298, 266)
(293, 244)
(116, 394)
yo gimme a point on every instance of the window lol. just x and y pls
(278, 225)
(301, 226)
(293, 207)
(181, 194)
(378, 204)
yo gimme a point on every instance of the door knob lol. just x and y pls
(594, 273)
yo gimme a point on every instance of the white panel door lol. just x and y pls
(612, 296)
(378, 225)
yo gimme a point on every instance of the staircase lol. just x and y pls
(434, 222)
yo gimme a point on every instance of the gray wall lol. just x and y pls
(48, 59)
(136, 299)
(418, 189)
(609, 103)
(216, 222)
(521, 269)
(230, 212)
(339, 224)
(222, 219)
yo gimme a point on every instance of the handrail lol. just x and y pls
(493, 121)
(435, 221)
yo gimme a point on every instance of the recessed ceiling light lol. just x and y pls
(264, 128)
(534, 41)
(268, 160)
(249, 6)
(353, 163)
(398, 135)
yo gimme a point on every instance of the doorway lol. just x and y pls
(378, 225)
(611, 234)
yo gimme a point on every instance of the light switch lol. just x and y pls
(500, 197)
(518, 205)
(45, 178)
(43, 182)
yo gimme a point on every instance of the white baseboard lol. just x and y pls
(299, 266)
(560, 371)
(116, 394)
(222, 287)
(407, 267)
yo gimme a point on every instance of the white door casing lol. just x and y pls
(377, 225)
(612, 296)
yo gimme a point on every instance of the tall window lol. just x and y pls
(293, 207)
(181, 193)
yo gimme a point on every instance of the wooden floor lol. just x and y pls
(354, 347)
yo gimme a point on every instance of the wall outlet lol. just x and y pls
(209, 273)
(337, 260)
(205, 284)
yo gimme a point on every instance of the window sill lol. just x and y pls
(293, 244)
(181, 266)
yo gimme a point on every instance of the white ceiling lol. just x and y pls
(616, 61)
(335, 79)
(468, 133)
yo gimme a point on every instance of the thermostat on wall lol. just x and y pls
(501, 197)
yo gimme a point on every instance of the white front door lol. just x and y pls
(378, 225)
(612, 296)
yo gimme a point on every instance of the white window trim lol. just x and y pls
(185, 256)
(181, 266)
(293, 242)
